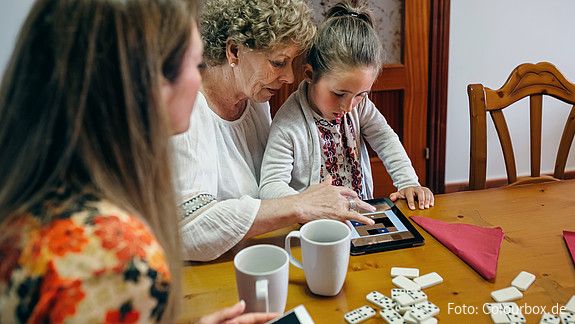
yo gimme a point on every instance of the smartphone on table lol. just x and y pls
(297, 315)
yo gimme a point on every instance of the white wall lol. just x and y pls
(12, 14)
(488, 39)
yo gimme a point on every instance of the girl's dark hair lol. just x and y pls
(345, 39)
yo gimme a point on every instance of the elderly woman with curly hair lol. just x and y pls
(250, 47)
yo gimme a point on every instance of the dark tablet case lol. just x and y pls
(378, 242)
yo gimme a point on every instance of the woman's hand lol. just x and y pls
(319, 201)
(323, 200)
(234, 315)
(424, 196)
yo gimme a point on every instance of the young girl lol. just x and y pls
(321, 129)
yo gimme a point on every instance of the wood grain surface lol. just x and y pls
(533, 218)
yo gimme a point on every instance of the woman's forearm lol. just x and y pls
(318, 201)
(275, 214)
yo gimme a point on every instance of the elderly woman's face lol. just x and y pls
(259, 74)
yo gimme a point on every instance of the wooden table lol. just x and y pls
(532, 217)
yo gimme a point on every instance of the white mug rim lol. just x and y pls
(302, 229)
(252, 273)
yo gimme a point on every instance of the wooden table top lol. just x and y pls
(532, 217)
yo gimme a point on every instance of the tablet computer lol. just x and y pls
(392, 230)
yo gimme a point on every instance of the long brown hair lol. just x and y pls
(80, 104)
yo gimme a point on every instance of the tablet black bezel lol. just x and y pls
(417, 240)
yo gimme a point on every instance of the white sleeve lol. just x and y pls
(186, 165)
(387, 145)
(210, 228)
(277, 165)
(194, 155)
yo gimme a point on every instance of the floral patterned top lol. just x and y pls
(91, 262)
(339, 152)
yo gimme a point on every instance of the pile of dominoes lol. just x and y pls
(507, 311)
(408, 303)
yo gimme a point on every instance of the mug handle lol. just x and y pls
(292, 260)
(262, 301)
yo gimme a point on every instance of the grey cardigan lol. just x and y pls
(292, 159)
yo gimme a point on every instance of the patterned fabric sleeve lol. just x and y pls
(97, 265)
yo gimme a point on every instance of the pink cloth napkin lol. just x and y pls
(570, 240)
(477, 246)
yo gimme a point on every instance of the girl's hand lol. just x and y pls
(424, 196)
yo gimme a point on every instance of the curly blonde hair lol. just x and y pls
(256, 24)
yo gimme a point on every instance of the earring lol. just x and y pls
(233, 65)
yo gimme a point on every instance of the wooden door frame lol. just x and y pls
(438, 63)
(411, 77)
(437, 98)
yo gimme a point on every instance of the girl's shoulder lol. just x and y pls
(295, 109)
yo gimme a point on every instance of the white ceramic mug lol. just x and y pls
(262, 277)
(325, 245)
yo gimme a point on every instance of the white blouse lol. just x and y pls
(223, 159)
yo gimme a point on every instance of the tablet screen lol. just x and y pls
(390, 231)
(386, 223)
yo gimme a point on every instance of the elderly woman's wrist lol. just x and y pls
(294, 208)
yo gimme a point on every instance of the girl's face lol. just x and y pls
(339, 92)
(179, 96)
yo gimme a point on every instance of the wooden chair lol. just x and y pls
(535, 81)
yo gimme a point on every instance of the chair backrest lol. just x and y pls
(535, 81)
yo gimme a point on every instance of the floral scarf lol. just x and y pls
(339, 152)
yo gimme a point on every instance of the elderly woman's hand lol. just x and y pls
(423, 194)
(235, 315)
(326, 201)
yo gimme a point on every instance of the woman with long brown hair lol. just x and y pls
(88, 219)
